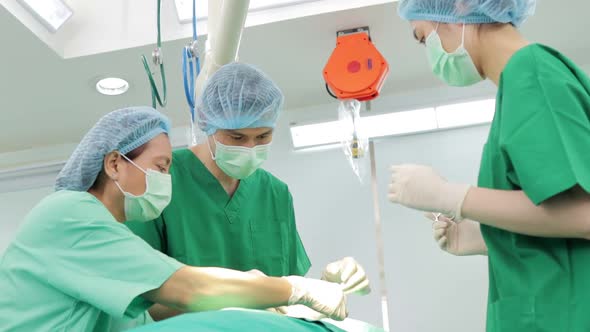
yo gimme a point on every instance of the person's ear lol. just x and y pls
(111, 165)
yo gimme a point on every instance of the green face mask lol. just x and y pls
(237, 161)
(455, 69)
(149, 205)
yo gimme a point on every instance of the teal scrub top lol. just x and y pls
(204, 226)
(539, 142)
(73, 267)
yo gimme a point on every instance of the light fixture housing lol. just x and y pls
(399, 123)
(112, 86)
(184, 8)
(51, 13)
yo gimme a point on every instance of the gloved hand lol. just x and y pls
(324, 297)
(421, 188)
(257, 273)
(349, 274)
(301, 312)
(295, 311)
(279, 310)
(459, 239)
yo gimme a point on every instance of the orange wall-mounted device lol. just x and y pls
(356, 69)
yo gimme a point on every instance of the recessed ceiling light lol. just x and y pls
(112, 86)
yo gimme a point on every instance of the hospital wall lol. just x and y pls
(427, 288)
(13, 207)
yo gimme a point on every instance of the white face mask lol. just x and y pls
(455, 69)
(149, 205)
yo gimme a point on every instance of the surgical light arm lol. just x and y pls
(226, 20)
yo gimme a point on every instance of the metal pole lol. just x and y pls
(379, 237)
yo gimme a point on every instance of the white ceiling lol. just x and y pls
(132, 23)
(50, 101)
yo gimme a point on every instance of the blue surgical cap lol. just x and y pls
(123, 130)
(467, 11)
(238, 96)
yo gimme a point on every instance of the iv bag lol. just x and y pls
(195, 135)
(354, 141)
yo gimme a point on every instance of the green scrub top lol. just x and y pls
(204, 226)
(539, 142)
(73, 267)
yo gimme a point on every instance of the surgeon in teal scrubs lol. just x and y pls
(226, 211)
(530, 212)
(73, 265)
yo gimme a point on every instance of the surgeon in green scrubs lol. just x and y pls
(226, 211)
(73, 265)
(530, 212)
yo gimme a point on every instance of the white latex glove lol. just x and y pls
(257, 273)
(324, 297)
(421, 188)
(349, 274)
(459, 239)
(301, 312)
(295, 311)
(279, 310)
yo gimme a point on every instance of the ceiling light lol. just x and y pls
(184, 8)
(398, 123)
(316, 134)
(373, 126)
(112, 86)
(466, 114)
(51, 13)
